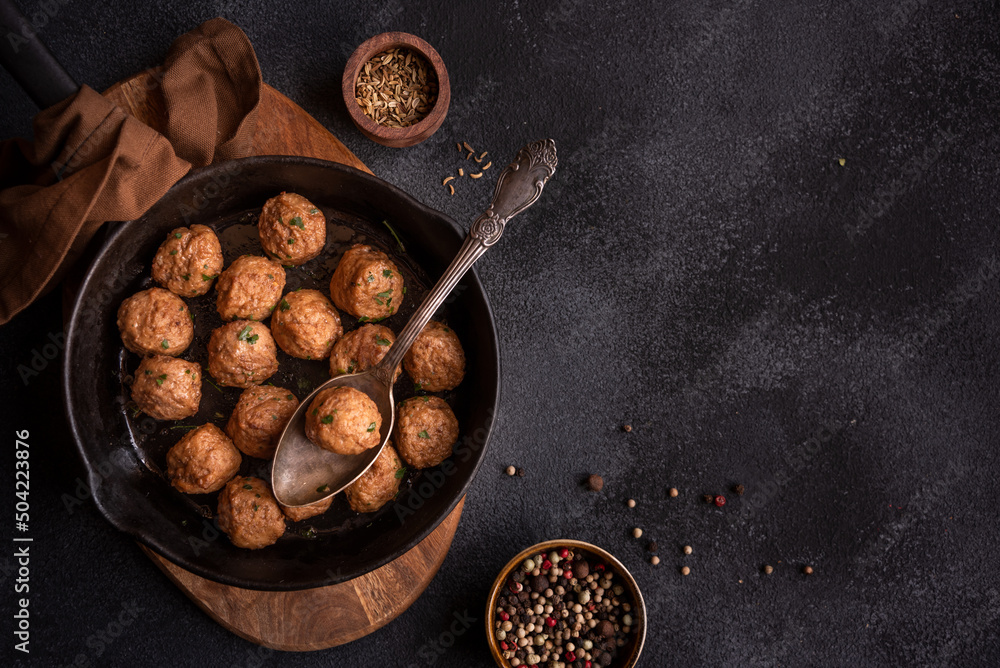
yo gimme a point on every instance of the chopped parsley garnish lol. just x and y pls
(274, 417)
(309, 533)
(402, 248)
(173, 252)
(289, 397)
(378, 301)
(423, 434)
(177, 235)
(371, 427)
(165, 344)
(206, 277)
(387, 273)
(363, 318)
(385, 294)
(186, 277)
(161, 378)
(285, 305)
(416, 387)
(370, 278)
(291, 241)
(148, 372)
(400, 473)
(255, 507)
(244, 335)
(323, 489)
(314, 211)
(327, 419)
(383, 342)
(297, 222)
(247, 486)
(271, 276)
(315, 411)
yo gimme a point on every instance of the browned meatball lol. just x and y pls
(249, 288)
(188, 261)
(378, 485)
(436, 361)
(292, 230)
(426, 430)
(155, 321)
(203, 461)
(167, 388)
(361, 349)
(242, 354)
(343, 420)
(305, 325)
(249, 514)
(367, 284)
(259, 418)
(305, 512)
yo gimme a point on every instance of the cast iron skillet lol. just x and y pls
(124, 451)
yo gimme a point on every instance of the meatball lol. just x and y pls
(436, 361)
(361, 349)
(305, 512)
(259, 418)
(426, 430)
(379, 484)
(167, 388)
(292, 230)
(305, 325)
(366, 284)
(249, 513)
(188, 261)
(203, 461)
(155, 321)
(242, 354)
(343, 420)
(249, 288)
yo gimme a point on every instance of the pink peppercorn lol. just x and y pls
(720, 501)
(550, 621)
(504, 616)
(546, 565)
(563, 553)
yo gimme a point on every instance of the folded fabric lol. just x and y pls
(91, 162)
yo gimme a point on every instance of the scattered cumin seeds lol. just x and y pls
(446, 179)
(466, 146)
(468, 156)
(477, 175)
(461, 172)
(487, 165)
(451, 189)
(458, 145)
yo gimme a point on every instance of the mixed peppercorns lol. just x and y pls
(563, 609)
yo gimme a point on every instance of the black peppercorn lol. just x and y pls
(581, 569)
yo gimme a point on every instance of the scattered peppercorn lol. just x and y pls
(637, 532)
(808, 570)
(655, 560)
(685, 571)
(720, 500)
(595, 482)
(627, 428)
(739, 489)
(520, 473)
(652, 547)
(708, 498)
(511, 470)
(674, 492)
(631, 503)
(768, 569)
(688, 549)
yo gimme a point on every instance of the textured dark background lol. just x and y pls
(702, 267)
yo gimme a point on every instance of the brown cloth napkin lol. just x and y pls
(91, 162)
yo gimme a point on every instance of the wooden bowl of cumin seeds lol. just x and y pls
(396, 89)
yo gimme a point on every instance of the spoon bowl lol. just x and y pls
(302, 472)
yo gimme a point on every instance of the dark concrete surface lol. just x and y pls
(771, 246)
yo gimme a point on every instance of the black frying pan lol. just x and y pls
(124, 452)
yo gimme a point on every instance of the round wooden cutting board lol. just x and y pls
(326, 616)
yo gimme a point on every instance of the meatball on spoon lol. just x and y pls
(302, 472)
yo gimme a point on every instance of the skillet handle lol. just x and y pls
(29, 61)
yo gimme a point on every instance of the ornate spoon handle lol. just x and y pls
(519, 186)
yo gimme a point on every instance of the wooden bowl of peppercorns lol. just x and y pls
(567, 603)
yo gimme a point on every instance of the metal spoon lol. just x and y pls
(304, 473)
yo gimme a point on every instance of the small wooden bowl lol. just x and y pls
(396, 137)
(631, 651)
